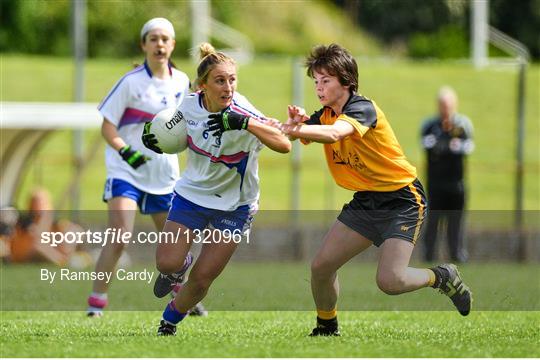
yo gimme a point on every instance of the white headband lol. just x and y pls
(155, 23)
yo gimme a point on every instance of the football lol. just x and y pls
(169, 127)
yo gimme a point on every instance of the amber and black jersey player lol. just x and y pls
(389, 201)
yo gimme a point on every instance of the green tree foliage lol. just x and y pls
(293, 27)
(434, 28)
(425, 28)
(34, 26)
(114, 26)
(43, 27)
(519, 19)
(393, 20)
(440, 28)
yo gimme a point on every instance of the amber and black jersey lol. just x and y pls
(370, 159)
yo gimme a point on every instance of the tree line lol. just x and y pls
(440, 28)
(416, 28)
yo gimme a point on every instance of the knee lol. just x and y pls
(391, 283)
(167, 265)
(321, 269)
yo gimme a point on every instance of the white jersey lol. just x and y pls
(134, 100)
(221, 172)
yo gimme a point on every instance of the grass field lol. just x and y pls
(404, 90)
(504, 322)
(270, 286)
(272, 334)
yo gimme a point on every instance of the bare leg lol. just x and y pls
(340, 245)
(121, 216)
(170, 255)
(394, 276)
(210, 263)
(159, 220)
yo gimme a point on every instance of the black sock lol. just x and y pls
(329, 324)
(441, 275)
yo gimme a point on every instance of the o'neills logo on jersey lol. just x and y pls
(176, 119)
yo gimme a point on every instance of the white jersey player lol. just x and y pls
(131, 168)
(222, 171)
(134, 100)
(219, 188)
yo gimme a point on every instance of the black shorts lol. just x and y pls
(383, 215)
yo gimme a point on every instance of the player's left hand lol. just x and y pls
(296, 114)
(149, 140)
(225, 121)
(133, 157)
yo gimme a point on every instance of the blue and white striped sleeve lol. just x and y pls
(242, 105)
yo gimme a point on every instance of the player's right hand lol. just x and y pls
(149, 140)
(134, 158)
(227, 120)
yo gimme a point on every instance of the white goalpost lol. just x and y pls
(204, 27)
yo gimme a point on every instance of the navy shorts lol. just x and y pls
(383, 215)
(197, 217)
(148, 203)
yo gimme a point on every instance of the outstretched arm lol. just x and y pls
(326, 134)
(269, 135)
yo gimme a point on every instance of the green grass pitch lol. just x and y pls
(274, 310)
(272, 334)
(265, 310)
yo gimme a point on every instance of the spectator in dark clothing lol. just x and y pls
(447, 138)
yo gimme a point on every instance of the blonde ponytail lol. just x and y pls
(209, 59)
(205, 49)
